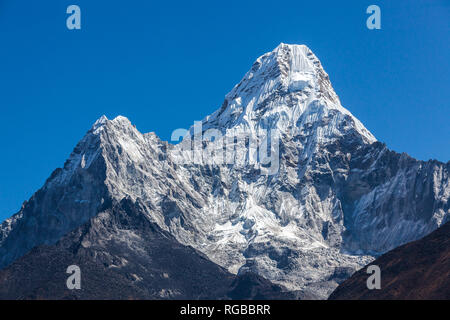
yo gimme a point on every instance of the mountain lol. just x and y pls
(281, 181)
(123, 255)
(415, 271)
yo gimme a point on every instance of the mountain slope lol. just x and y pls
(281, 181)
(417, 270)
(122, 255)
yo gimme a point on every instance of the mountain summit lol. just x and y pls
(283, 87)
(328, 200)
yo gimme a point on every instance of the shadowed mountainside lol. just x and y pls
(123, 255)
(417, 270)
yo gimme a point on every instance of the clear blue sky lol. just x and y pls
(165, 64)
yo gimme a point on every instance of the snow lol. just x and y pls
(288, 226)
(288, 83)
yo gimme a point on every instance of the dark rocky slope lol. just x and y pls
(123, 255)
(417, 270)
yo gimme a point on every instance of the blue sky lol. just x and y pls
(166, 64)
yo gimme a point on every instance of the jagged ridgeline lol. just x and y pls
(330, 199)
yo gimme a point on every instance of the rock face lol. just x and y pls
(305, 193)
(415, 271)
(123, 255)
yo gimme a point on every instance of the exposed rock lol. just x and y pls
(418, 270)
(122, 255)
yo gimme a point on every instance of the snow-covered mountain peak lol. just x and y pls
(100, 121)
(120, 120)
(286, 90)
(288, 68)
